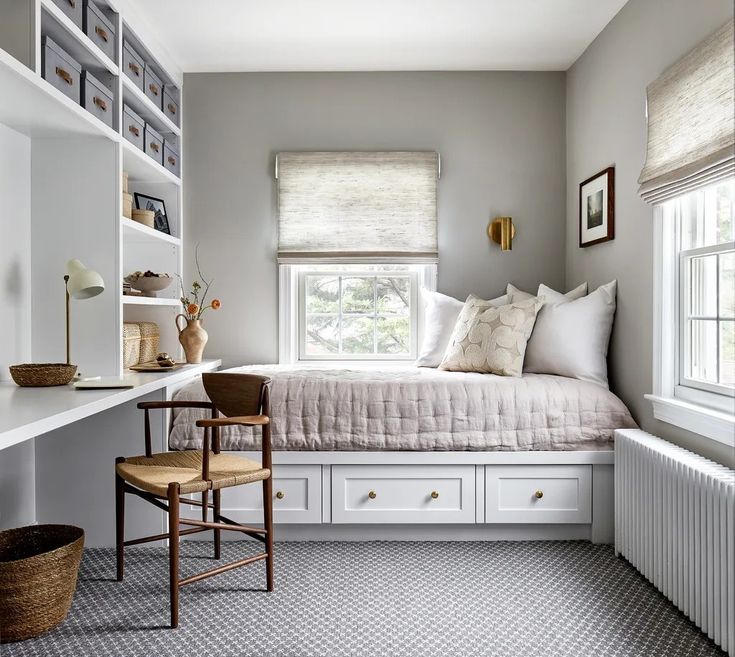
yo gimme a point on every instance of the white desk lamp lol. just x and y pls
(81, 283)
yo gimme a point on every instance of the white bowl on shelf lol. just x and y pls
(149, 285)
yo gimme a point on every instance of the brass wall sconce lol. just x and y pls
(502, 231)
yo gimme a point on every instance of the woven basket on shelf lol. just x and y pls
(131, 344)
(38, 576)
(42, 374)
(150, 338)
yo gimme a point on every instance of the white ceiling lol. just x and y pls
(376, 35)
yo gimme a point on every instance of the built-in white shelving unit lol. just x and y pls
(76, 185)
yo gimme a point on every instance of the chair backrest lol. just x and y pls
(235, 394)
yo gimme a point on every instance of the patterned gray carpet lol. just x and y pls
(506, 599)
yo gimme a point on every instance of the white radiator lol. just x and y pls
(675, 522)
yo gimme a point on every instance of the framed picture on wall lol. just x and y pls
(597, 208)
(160, 220)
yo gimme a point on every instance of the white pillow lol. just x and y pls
(570, 338)
(545, 293)
(440, 316)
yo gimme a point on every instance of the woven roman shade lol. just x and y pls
(691, 121)
(357, 206)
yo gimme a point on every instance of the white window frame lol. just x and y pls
(692, 405)
(291, 314)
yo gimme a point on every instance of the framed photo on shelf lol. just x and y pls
(160, 219)
(597, 208)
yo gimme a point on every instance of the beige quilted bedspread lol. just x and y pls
(419, 409)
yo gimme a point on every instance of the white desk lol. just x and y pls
(29, 412)
(80, 433)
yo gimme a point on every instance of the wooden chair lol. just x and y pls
(243, 399)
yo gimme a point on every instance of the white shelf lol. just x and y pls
(149, 301)
(142, 168)
(40, 110)
(66, 33)
(142, 105)
(133, 230)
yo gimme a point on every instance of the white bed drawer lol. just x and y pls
(403, 494)
(297, 497)
(538, 493)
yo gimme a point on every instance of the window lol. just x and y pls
(357, 238)
(358, 312)
(688, 177)
(707, 288)
(694, 369)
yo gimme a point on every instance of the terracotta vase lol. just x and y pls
(192, 337)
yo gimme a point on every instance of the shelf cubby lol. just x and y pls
(61, 29)
(76, 189)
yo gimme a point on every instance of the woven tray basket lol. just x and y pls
(38, 576)
(131, 344)
(42, 374)
(150, 338)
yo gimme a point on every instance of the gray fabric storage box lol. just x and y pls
(97, 99)
(133, 65)
(171, 157)
(60, 69)
(133, 128)
(153, 144)
(171, 103)
(99, 29)
(73, 9)
(153, 87)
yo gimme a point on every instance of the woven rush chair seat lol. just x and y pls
(154, 473)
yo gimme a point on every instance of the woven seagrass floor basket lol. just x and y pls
(38, 576)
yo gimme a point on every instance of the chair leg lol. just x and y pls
(268, 525)
(173, 550)
(120, 522)
(217, 495)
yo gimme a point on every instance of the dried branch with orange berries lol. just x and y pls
(194, 305)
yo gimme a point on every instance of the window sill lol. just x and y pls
(716, 425)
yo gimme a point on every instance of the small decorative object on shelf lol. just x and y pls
(145, 217)
(148, 282)
(192, 336)
(158, 207)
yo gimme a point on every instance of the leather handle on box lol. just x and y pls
(154, 146)
(153, 88)
(134, 68)
(100, 103)
(172, 160)
(73, 3)
(64, 75)
(134, 130)
(101, 33)
(171, 108)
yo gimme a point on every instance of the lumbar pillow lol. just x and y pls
(440, 316)
(570, 338)
(491, 339)
(545, 293)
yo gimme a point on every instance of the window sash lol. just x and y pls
(413, 315)
(686, 316)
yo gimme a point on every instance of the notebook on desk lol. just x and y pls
(103, 382)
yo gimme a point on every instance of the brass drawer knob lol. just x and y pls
(280, 495)
(372, 494)
(539, 494)
(434, 495)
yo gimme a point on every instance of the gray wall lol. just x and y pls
(500, 135)
(606, 97)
